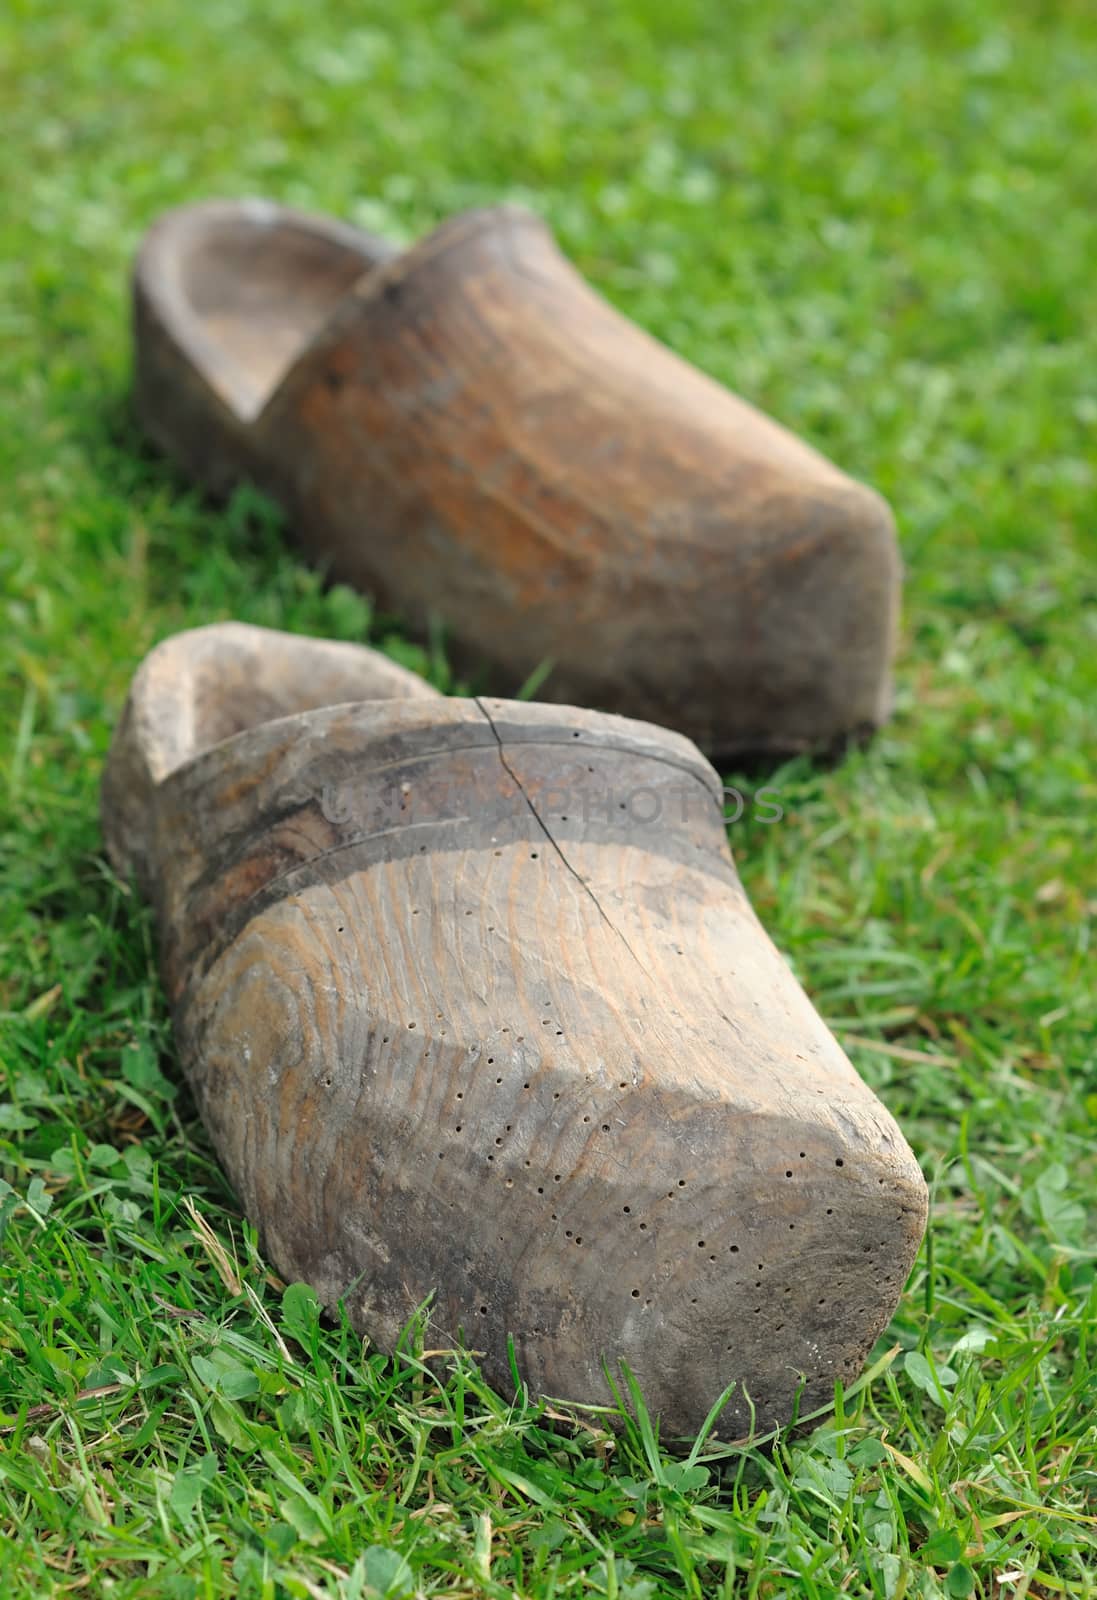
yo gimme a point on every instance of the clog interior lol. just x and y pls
(258, 291)
(223, 680)
(237, 691)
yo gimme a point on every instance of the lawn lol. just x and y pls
(879, 222)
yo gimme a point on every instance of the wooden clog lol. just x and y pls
(467, 430)
(474, 1006)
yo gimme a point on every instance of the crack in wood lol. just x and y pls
(540, 821)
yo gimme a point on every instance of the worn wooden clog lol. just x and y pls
(474, 1006)
(468, 430)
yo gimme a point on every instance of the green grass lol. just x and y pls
(877, 221)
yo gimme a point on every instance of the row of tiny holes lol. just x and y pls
(557, 1178)
(547, 1022)
(605, 1128)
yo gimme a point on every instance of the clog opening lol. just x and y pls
(218, 681)
(258, 288)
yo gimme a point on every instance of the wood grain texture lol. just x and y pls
(470, 431)
(474, 1007)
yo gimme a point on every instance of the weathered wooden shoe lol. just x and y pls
(467, 430)
(474, 1006)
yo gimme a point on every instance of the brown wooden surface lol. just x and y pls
(461, 1023)
(470, 431)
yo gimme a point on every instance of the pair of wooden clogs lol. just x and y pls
(468, 991)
